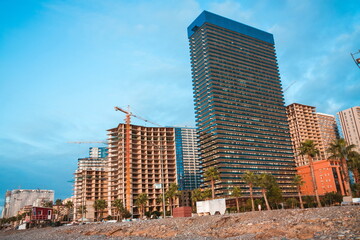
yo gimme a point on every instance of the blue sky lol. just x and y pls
(65, 64)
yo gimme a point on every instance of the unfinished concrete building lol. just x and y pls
(141, 160)
(91, 184)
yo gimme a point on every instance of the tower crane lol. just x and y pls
(127, 147)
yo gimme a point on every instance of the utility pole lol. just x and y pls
(356, 59)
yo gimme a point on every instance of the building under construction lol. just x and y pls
(91, 184)
(141, 160)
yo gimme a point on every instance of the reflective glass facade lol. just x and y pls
(187, 158)
(239, 106)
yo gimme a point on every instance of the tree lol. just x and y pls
(47, 204)
(339, 149)
(356, 188)
(82, 210)
(273, 191)
(121, 211)
(141, 202)
(309, 149)
(354, 165)
(250, 179)
(99, 206)
(196, 195)
(236, 192)
(211, 174)
(331, 198)
(69, 205)
(58, 202)
(291, 202)
(172, 193)
(262, 181)
(57, 211)
(206, 194)
(297, 181)
(310, 201)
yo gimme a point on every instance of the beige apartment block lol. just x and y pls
(328, 130)
(91, 184)
(350, 125)
(141, 160)
(304, 125)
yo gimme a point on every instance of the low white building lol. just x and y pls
(17, 199)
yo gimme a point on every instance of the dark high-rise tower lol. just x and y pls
(239, 106)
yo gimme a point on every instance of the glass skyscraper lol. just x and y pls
(187, 158)
(239, 105)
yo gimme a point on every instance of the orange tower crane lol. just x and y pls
(127, 147)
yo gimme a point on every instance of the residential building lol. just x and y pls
(91, 184)
(187, 158)
(19, 198)
(350, 125)
(239, 105)
(327, 175)
(304, 125)
(98, 152)
(329, 131)
(141, 160)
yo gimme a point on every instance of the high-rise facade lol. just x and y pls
(141, 160)
(306, 124)
(350, 125)
(187, 158)
(239, 106)
(329, 131)
(91, 184)
(98, 152)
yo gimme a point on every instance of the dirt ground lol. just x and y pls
(322, 223)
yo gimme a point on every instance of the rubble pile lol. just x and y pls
(317, 223)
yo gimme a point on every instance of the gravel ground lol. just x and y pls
(323, 223)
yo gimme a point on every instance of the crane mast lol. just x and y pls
(128, 115)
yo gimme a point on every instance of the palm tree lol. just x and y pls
(250, 179)
(309, 149)
(196, 195)
(297, 181)
(69, 205)
(339, 149)
(354, 165)
(58, 202)
(82, 210)
(211, 174)
(170, 194)
(141, 201)
(119, 207)
(206, 194)
(99, 206)
(236, 192)
(262, 182)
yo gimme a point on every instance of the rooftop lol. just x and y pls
(208, 17)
